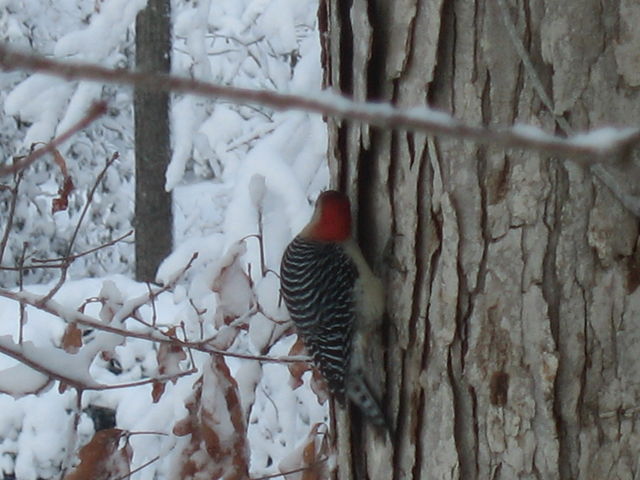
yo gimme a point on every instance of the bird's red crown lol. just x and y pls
(331, 221)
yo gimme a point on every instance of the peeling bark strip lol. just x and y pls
(513, 330)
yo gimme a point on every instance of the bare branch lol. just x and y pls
(11, 215)
(78, 255)
(599, 146)
(49, 262)
(23, 309)
(146, 381)
(532, 74)
(136, 470)
(67, 262)
(92, 192)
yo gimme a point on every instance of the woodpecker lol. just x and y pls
(335, 301)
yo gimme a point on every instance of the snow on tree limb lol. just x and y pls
(50, 361)
(601, 145)
(71, 315)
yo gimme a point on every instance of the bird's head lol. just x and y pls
(331, 220)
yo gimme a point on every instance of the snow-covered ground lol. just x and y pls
(237, 170)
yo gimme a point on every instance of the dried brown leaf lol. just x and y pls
(157, 390)
(168, 357)
(61, 202)
(72, 338)
(101, 459)
(319, 386)
(297, 369)
(183, 427)
(59, 160)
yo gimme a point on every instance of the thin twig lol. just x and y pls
(534, 78)
(579, 148)
(137, 469)
(48, 262)
(199, 314)
(146, 381)
(82, 254)
(133, 305)
(67, 262)
(92, 192)
(189, 352)
(263, 263)
(154, 312)
(12, 210)
(131, 434)
(23, 308)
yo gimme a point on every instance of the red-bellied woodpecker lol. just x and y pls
(335, 301)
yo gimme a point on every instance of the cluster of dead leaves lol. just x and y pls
(217, 446)
(213, 435)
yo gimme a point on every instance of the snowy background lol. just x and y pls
(237, 171)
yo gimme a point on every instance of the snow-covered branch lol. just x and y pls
(151, 334)
(601, 145)
(51, 363)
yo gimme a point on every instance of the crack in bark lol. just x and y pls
(466, 447)
(476, 427)
(346, 48)
(422, 268)
(551, 289)
(410, 41)
(400, 422)
(476, 29)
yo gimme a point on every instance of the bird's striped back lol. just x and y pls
(317, 280)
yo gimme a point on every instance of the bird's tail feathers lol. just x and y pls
(360, 393)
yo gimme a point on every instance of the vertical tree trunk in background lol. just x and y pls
(513, 329)
(153, 215)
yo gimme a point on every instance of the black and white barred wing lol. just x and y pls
(317, 282)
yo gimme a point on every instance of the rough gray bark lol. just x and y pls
(153, 214)
(513, 329)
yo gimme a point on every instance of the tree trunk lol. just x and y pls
(153, 215)
(513, 330)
